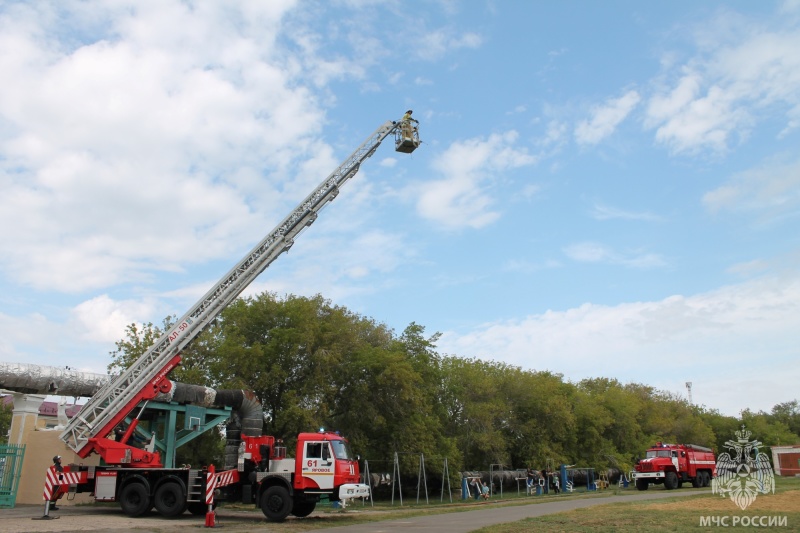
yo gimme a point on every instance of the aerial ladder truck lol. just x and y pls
(136, 478)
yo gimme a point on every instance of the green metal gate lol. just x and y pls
(10, 470)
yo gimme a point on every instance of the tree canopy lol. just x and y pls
(314, 364)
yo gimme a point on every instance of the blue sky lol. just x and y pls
(605, 188)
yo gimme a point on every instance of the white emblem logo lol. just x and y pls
(746, 475)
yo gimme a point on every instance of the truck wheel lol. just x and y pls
(134, 499)
(302, 509)
(642, 484)
(276, 503)
(706, 479)
(169, 500)
(670, 480)
(697, 481)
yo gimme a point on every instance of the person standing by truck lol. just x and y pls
(60, 477)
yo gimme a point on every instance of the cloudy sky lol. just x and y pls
(604, 189)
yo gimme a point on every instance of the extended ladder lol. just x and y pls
(144, 379)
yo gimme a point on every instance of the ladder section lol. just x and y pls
(196, 486)
(142, 380)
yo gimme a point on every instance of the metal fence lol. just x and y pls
(11, 456)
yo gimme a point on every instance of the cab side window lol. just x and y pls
(314, 450)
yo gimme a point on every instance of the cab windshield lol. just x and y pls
(341, 450)
(657, 453)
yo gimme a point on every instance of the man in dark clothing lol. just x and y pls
(59, 477)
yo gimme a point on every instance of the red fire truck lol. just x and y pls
(323, 466)
(674, 464)
(137, 479)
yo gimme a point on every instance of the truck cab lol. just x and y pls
(324, 465)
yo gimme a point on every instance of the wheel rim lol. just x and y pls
(275, 503)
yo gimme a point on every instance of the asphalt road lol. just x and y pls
(109, 518)
(472, 520)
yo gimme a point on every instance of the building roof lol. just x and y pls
(47, 408)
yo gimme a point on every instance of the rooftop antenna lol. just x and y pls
(689, 388)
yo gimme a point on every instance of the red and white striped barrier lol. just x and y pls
(223, 479)
(211, 484)
(54, 478)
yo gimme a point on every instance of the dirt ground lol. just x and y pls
(26, 518)
(109, 518)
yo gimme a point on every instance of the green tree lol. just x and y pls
(284, 352)
(723, 427)
(6, 413)
(314, 364)
(475, 411)
(590, 445)
(766, 429)
(788, 413)
(387, 395)
(542, 422)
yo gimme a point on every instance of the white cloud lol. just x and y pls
(104, 320)
(708, 338)
(605, 119)
(343, 254)
(18, 331)
(434, 44)
(790, 6)
(33, 338)
(142, 148)
(593, 252)
(555, 135)
(769, 191)
(462, 198)
(749, 74)
(351, 267)
(704, 122)
(606, 212)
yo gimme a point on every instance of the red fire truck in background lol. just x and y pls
(674, 464)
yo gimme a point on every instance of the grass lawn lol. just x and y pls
(678, 514)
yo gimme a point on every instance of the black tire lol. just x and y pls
(642, 484)
(134, 499)
(302, 509)
(706, 479)
(679, 484)
(169, 500)
(697, 481)
(276, 503)
(670, 481)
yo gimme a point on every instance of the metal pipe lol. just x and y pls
(246, 416)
